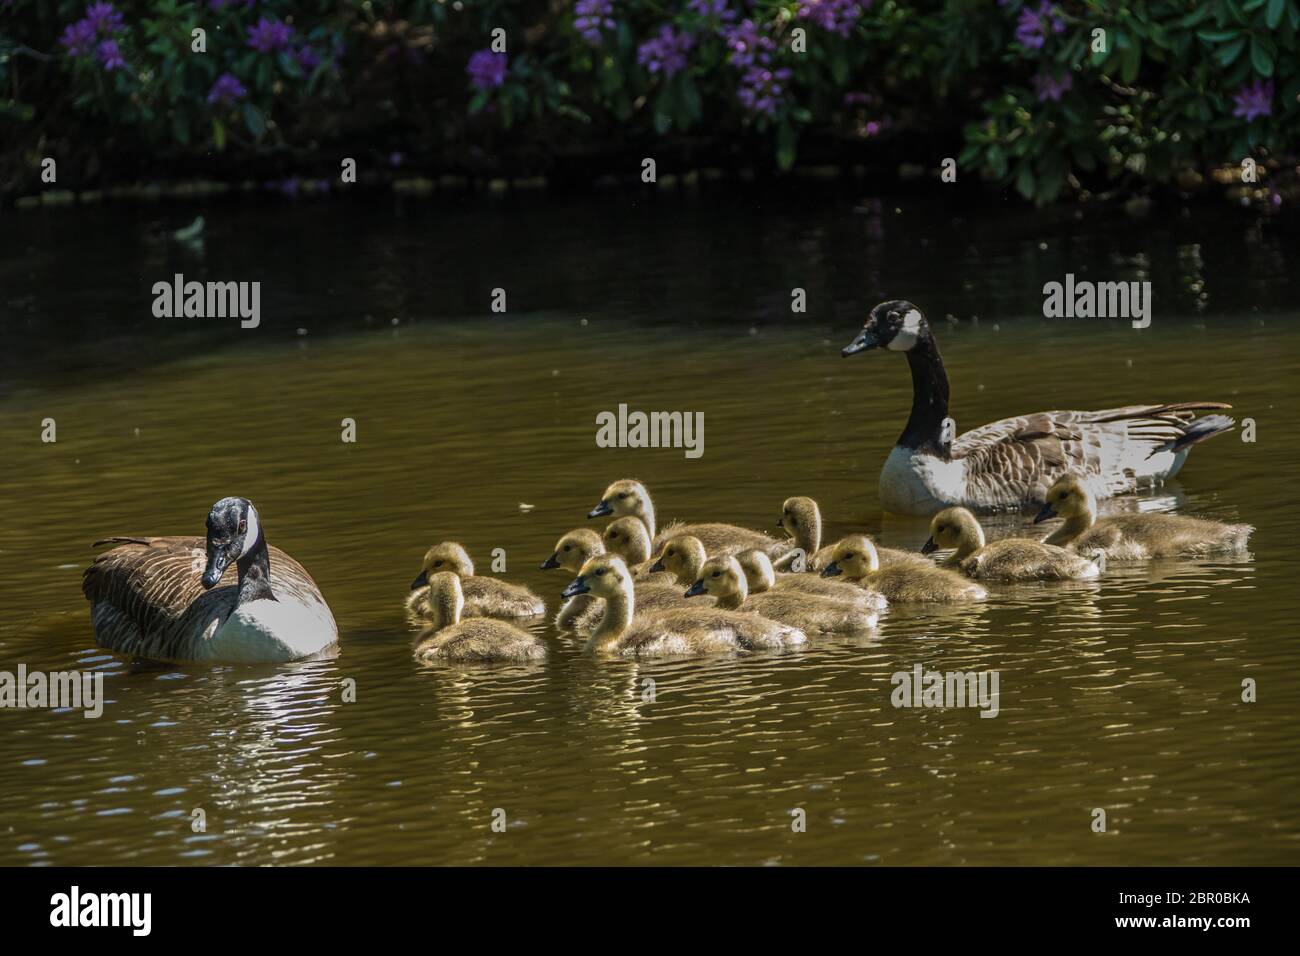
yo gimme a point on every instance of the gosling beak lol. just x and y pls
(658, 566)
(929, 546)
(1047, 512)
(600, 510)
(696, 589)
(575, 587)
(865, 340)
(420, 581)
(552, 562)
(831, 570)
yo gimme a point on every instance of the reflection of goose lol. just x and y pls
(677, 631)
(484, 596)
(478, 639)
(1132, 536)
(1007, 559)
(920, 581)
(723, 579)
(148, 599)
(630, 497)
(1010, 463)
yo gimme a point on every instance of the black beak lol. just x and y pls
(600, 510)
(696, 589)
(929, 546)
(1045, 513)
(831, 570)
(218, 560)
(552, 562)
(575, 587)
(658, 566)
(865, 340)
(420, 581)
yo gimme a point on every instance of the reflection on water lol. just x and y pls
(1122, 693)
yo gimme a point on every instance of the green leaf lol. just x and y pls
(1225, 55)
(1216, 36)
(1261, 59)
(1025, 181)
(1273, 15)
(254, 120)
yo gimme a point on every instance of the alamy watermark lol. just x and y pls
(1098, 300)
(626, 429)
(921, 688)
(74, 908)
(75, 690)
(209, 300)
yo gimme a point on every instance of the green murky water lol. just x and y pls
(1123, 694)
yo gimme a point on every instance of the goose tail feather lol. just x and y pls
(1198, 430)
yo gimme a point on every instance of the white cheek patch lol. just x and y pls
(909, 334)
(250, 536)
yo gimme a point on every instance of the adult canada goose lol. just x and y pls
(904, 582)
(1010, 463)
(762, 577)
(723, 579)
(1132, 537)
(479, 639)
(629, 497)
(678, 631)
(147, 597)
(1007, 559)
(802, 520)
(572, 551)
(484, 596)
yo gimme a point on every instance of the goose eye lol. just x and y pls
(243, 525)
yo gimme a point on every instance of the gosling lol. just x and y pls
(906, 582)
(1005, 560)
(484, 596)
(723, 579)
(572, 551)
(762, 577)
(478, 640)
(1132, 537)
(624, 632)
(629, 497)
(801, 519)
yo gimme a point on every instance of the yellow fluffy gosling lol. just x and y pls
(1132, 537)
(672, 632)
(629, 497)
(480, 639)
(484, 596)
(801, 519)
(762, 577)
(1007, 559)
(905, 582)
(572, 551)
(723, 579)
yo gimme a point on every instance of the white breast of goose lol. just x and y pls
(916, 482)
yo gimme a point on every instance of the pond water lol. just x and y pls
(1122, 694)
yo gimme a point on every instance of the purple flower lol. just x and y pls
(716, 10)
(1048, 86)
(761, 88)
(110, 56)
(79, 38)
(226, 90)
(487, 69)
(267, 36)
(590, 17)
(1032, 29)
(1254, 100)
(834, 16)
(308, 59)
(857, 99)
(104, 18)
(665, 53)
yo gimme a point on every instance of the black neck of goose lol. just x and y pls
(924, 431)
(255, 572)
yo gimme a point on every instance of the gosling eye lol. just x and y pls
(622, 494)
(849, 555)
(568, 547)
(1061, 496)
(717, 574)
(600, 572)
(438, 563)
(671, 553)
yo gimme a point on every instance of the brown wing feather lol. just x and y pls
(1015, 460)
(147, 598)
